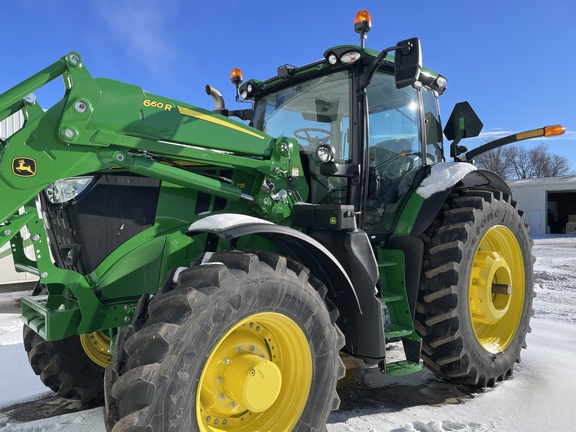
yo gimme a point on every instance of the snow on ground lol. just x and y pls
(539, 397)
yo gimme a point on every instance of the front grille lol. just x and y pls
(114, 208)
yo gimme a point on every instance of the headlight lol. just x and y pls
(62, 191)
(350, 57)
(325, 153)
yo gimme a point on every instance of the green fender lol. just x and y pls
(298, 245)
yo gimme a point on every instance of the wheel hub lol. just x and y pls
(490, 290)
(258, 375)
(497, 289)
(253, 381)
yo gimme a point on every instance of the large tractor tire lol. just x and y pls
(72, 367)
(476, 294)
(243, 342)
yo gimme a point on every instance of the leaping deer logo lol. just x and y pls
(24, 167)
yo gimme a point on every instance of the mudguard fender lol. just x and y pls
(297, 245)
(467, 178)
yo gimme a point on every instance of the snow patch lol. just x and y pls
(443, 176)
(224, 221)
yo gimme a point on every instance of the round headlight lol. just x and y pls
(325, 153)
(441, 81)
(350, 57)
(332, 59)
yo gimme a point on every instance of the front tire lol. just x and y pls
(72, 367)
(244, 342)
(475, 300)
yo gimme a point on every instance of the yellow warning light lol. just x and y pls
(554, 130)
(236, 76)
(362, 22)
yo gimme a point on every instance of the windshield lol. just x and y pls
(314, 112)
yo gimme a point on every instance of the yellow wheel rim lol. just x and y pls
(257, 377)
(97, 347)
(497, 289)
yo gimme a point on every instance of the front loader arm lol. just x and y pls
(102, 124)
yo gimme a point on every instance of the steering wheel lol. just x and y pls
(306, 135)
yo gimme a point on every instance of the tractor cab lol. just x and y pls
(367, 125)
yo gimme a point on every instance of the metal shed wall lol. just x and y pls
(533, 197)
(8, 275)
(11, 124)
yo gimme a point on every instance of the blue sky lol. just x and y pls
(512, 60)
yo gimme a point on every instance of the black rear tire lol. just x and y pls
(181, 368)
(475, 300)
(64, 367)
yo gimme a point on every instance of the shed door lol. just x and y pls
(535, 222)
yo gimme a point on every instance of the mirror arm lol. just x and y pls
(369, 73)
(454, 144)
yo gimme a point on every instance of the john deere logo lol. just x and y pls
(24, 167)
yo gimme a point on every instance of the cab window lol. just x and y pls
(394, 150)
(314, 112)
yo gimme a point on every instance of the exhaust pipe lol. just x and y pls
(217, 97)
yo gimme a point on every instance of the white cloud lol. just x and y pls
(143, 29)
(495, 134)
(568, 135)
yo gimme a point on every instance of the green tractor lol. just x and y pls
(202, 273)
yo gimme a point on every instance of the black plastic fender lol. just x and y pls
(297, 245)
(477, 179)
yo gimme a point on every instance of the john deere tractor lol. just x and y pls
(198, 272)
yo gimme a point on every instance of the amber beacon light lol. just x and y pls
(362, 24)
(236, 76)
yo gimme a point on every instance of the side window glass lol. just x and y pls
(394, 150)
(434, 149)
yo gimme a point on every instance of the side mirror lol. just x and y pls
(407, 62)
(463, 123)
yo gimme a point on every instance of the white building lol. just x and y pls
(9, 276)
(11, 124)
(549, 204)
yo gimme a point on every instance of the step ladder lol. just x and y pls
(398, 321)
